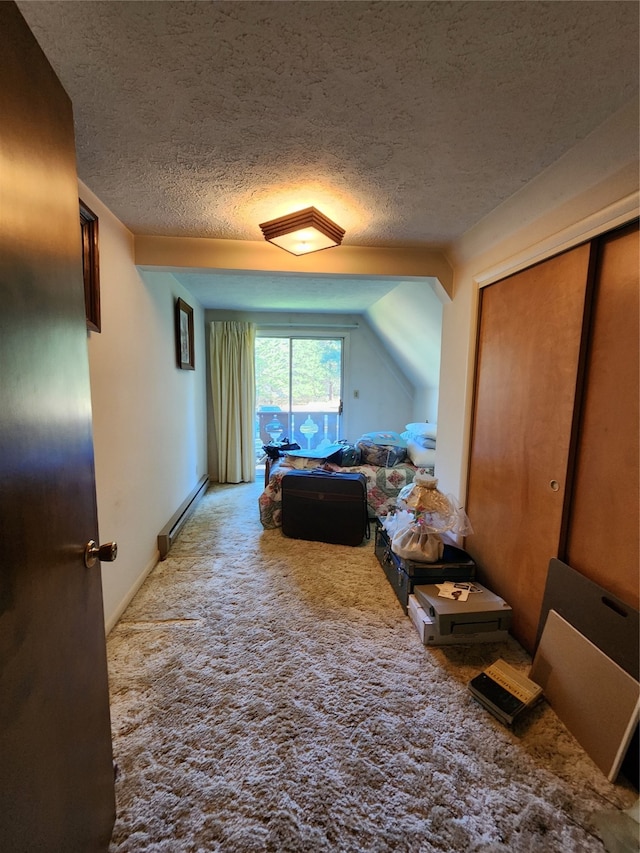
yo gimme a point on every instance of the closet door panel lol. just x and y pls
(602, 541)
(528, 358)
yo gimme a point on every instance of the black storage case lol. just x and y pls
(404, 575)
(325, 507)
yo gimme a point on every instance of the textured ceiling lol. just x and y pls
(410, 120)
(404, 122)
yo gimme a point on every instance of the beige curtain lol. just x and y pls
(233, 391)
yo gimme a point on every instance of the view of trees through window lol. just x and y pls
(298, 389)
(312, 365)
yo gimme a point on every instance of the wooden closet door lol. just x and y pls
(528, 358)
(602, 541)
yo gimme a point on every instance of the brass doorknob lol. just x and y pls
(105, 553)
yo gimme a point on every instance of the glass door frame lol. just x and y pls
(292, 429)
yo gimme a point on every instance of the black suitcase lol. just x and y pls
(404, 575)
(325, 507)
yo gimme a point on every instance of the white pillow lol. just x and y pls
(422, 457)
(424, 429)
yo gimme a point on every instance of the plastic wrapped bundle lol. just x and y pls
(434, 511)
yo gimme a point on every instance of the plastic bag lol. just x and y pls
(438, 513)
(383, 456)
(347, 457)
(415, 543)
(396, 521)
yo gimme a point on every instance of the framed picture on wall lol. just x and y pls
(184, 336)
(90, 266)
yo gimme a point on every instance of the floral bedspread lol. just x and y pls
(383, 485)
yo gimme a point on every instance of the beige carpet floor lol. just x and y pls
(269, 694)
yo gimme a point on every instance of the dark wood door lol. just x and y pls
(528, 360)
(602, 541)
(56, 774)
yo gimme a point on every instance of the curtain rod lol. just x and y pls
(308, 325)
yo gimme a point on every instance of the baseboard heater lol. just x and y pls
(172, 528)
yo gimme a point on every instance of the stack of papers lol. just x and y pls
(458, 591)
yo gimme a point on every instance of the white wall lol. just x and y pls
(385, 396)
(588, 191)
(149, 417)
(409, 323)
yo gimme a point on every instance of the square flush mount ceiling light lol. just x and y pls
(303, 232)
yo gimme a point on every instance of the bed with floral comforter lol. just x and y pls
(383, 486)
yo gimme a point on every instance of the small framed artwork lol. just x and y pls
(90, 266)
(184, 336)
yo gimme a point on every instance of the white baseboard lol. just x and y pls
(126, 601)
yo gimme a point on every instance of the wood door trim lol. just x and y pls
(616, 215)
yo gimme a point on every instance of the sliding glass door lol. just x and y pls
(298, 391)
